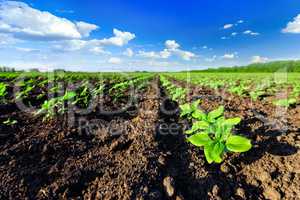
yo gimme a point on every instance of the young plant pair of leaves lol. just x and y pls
(55, 105)
(213, 132)
(3, 92)
(285, 102)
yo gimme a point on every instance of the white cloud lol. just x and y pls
(6, 39)
(85, 28)
(149, 54)
(224, 38)
(128, 52)
(227, 26)
(171, 44)
(229, 56)
(204, 47)
(185, 55)
(25, 22)
(293, 26)
(212, 59)
(27, 50)
(172, 48)
(259, 59)
(240, 21)
(94, 45)
(115, 60)
(234, 34)
(249, 32)
(99, 50)
(165, 53)
(70, 45)
(120, 38)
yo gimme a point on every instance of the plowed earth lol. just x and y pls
(141, 153)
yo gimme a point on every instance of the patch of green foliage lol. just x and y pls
(55, 106)
(177, 93)
(213, 132)
(3, 92)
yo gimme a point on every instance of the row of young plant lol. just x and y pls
(210, 131)
(255, 86)
(56, 97)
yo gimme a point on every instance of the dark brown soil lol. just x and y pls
(141, 153)
(270, 170)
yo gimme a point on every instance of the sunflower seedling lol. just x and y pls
(214, 133)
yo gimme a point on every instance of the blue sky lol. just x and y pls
(115, 35)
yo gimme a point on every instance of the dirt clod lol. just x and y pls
(272, 194)
(169, 184)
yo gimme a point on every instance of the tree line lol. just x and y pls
(7, 69)
(276, 66)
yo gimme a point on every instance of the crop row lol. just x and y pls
(54, 97)
(283, 89)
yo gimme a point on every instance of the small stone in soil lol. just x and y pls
(168, 183)
(162, 160)
(241, 193)
(271, 193)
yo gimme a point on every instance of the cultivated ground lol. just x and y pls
(141, 151)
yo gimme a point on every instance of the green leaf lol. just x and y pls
(69, 95)
(232, 121)
(217, 151)
(237, 143)
(285, 102)
(199, 139)
(199, 114)
(199, 125)
(195, 104)
(216, 113)
(207, 152)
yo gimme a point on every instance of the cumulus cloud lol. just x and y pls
(99, 50)
(85, 28)
(171, 44)
(259, 59)
(25, 22)
(229, 56)
(165, 53)
(115, 60)
(171, 48)
(120, 39)
(249, 32)
(227, 26)
(293, 26)
(70, 45)
(149, 54)
(128, 52)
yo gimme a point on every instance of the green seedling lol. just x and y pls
(10, 122)
(214, 133)
(3, 91)
(256, 94)
(178, 94)
(285, 102)
(55, 106)
(191, 111)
